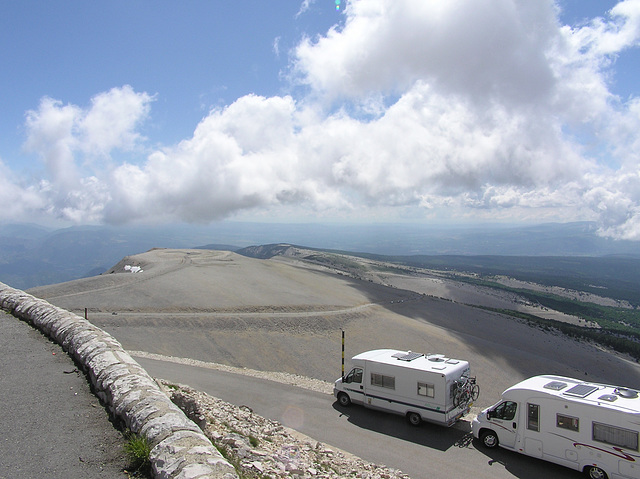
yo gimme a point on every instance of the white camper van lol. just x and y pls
(420, 387)
(585, 426)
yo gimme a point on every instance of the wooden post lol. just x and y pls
(86, 316)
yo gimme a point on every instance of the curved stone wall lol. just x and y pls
(179, 447)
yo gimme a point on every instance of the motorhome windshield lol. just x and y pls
(354, 376)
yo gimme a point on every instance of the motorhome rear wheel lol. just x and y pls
(414, 418)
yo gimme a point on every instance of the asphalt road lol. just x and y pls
(52, 425)
(429, 451)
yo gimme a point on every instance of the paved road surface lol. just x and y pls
(429, 452)
(52, 425)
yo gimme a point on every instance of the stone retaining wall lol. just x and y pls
(179, 447)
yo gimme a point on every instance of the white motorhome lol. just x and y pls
(581, 425)
(418, 386)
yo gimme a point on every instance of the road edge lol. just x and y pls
(179, 447)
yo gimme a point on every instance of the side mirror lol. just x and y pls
(488, 414)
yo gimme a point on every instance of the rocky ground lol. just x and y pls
(260, 447)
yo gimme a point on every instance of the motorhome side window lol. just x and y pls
(383, 381)
(533, 417)
(616, 436)
(567, 422)
(354, 376)
(425, 389)
(505, 410)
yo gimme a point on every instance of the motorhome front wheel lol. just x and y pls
(489, 439)
(344, 399)
(597, 473)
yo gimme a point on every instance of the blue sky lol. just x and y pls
(191, 56)
(385, 110)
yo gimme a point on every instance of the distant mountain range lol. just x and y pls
(32, 255)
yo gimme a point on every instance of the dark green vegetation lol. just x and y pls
(612, 277)
(619, 328)
(138, 450)
(622, 319)
(616, 277)
(624, 342)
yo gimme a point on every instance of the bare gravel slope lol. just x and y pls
(282, 315)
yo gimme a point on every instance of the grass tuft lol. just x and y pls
(138, 450)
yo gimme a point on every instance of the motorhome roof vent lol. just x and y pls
(408, 356)
(608, 397)
(581, 390)
(626, 393)
(555, 385)
(437, 359)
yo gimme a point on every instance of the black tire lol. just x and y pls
(414, 418)
(595, 472)
(475, 392)
(489, 439)
(344, 400)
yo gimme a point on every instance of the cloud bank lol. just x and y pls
(419, 109)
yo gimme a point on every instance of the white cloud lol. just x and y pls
(616, 200)
(16, 201)
(304, 6)
(276, 46)
(582, 59)
(51, 135)
(112, 119)
(262, 152)
(469, 108)
(239, 157)
(611, 36)
(67, 138)
(431, 144)
(490, 94)
(622, 130)
(483, 49)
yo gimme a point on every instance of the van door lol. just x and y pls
(353, 384)
(504, 420)
(532, 443)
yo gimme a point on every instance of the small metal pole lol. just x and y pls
(343, 354)
(86, 316)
